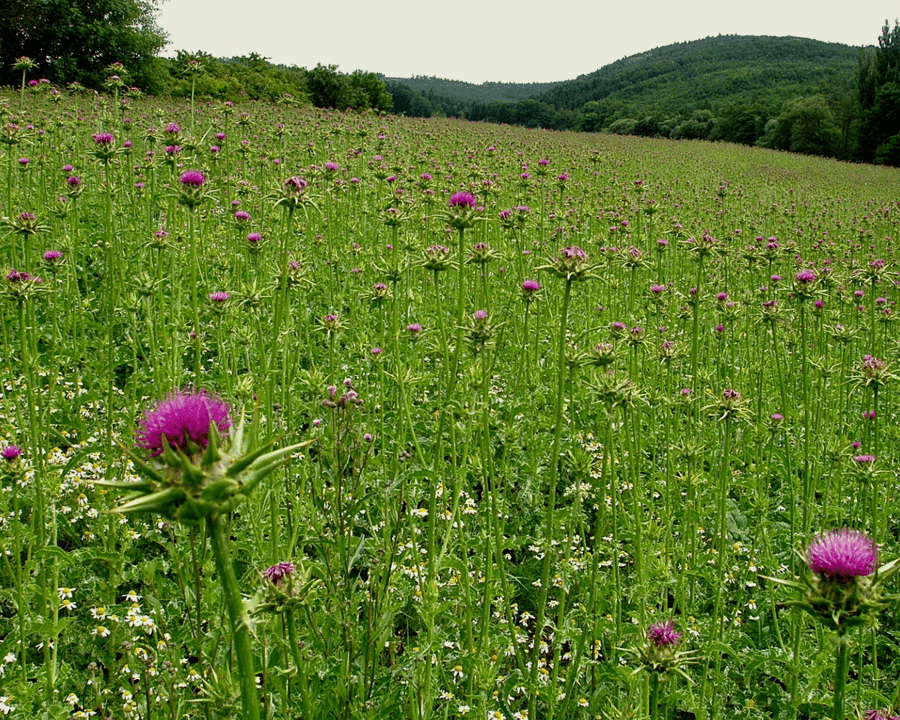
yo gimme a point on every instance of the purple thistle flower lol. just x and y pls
(573, 253)
(480, 316)
(253, 238)
(278, 572)
(875, 715)
(462, 199)
(184, 420)
(530, 287)
(805, 276)
(103, 138)
(842, 554)
(219, 296)
(295, 185)
(414, 328)
(242, 216)
(192, 178)
(11, 453)
(663, 634)
(864, 459)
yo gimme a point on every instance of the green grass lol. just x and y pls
(573, 459)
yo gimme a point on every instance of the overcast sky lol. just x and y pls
(492, 40)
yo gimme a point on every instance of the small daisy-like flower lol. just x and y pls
(842, 554)
(184, 420)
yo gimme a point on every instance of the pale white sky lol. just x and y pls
(495, 40)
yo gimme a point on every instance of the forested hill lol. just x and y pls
(786, 93)
(469, 92)
(713, 71)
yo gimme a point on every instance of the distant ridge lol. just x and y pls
(466, 92)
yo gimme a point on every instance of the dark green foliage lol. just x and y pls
(739, 89)
(227, 79)
(76, 40)
(709, 72)
(468, 92)
(360, 91)
(254, 78)
(807, 126)
(408, 102)
(878, 76)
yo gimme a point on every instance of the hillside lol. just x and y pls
(714, 72)
(786, 93)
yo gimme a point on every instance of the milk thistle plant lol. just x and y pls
(660, 656)
(843, 590)
(197, 471)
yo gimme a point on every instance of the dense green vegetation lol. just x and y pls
(486, 92)
(785, 93)
(569, 429)
(76, 40)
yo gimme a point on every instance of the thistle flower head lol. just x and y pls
(876, 715)
(663, 635)
(192, 178)
(295, 185)
(842, 554)
(278, 572)
(462, 199)
(11, 453)
(183, 420)
(571, 263)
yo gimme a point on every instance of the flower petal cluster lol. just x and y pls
(663, 634)
(183, 420)
(278, 572)
(842, 554)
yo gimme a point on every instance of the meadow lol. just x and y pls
(537, 424)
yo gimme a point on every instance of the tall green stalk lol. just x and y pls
(237, 616)
(550, 511)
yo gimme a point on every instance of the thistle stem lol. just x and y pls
(237, 615)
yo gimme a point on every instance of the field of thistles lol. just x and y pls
(307, 414)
